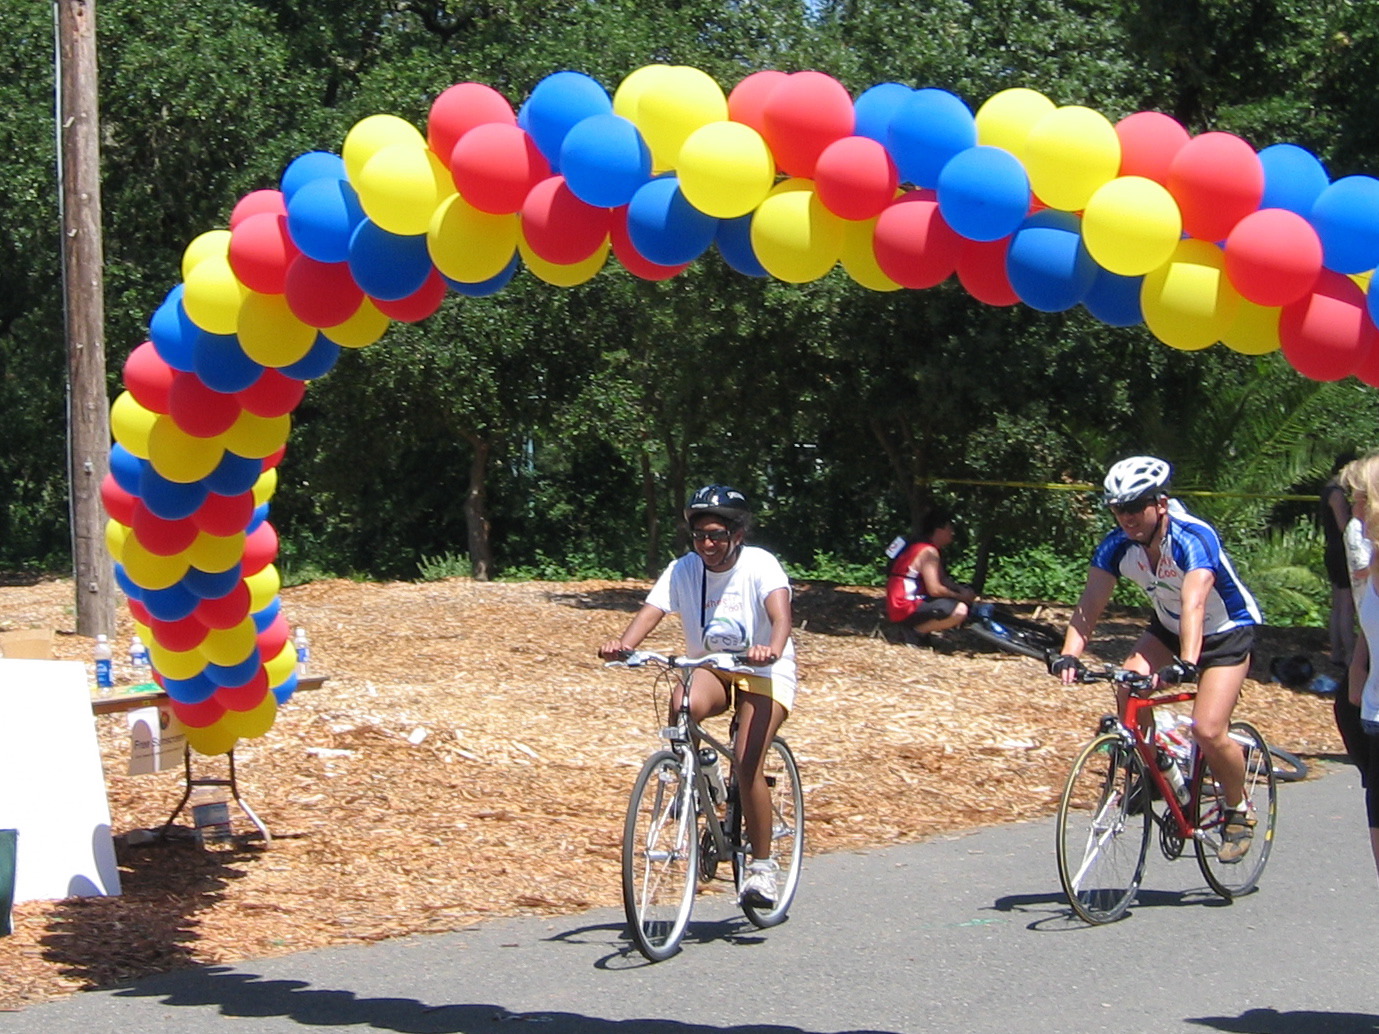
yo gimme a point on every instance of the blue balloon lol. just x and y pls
(235, 674)
(1346, 218)
(318, 362)
(1047, 263)
(557, 104)
(190, 691)
(388, 265)
(605, 160)
(926, 131)
(1115, 299)
(170, 500)
(260, 515)
(664, 227)
(126, 468)
(283, 693)
(127, 585)
(734, 240)
(321, 218)
(221, 364)
(484, 288)
(170, 604)
(1293, 177)
(173, 333)
(875, 108)
(267, 615)
(312, 165)
(983, 193)
(234, 475)
(212, 585)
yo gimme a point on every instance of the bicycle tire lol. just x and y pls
(660, 856)
(1103, 829)
(787, 834)
(1018, 635)
(1232, 879)
(1288, 767)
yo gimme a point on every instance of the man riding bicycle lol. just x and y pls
(1202, 628)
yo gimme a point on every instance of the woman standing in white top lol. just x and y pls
(1363, 682)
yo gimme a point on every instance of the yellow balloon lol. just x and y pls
(215, 553)
(401, 185)
(179, 456)
(1188, 302)
(131, 424)
(469, 245)
(212, 296)
(564, 276)
(1255, 330)
(175, 664)
(115, 536)
(266, 486)
(230, 646)
(281, 667)
(219, 737)
(1131, 225)
(263, 587)
(673, 104)
(726, 169)
(629, 92)
(1007, 117)
(362, 329)
(148, 570)
(255, 437)
(211, 244)
(269, 333)
(370, 135)
(859, 256)
(254, 722)
(794, 237)
(1069, 153)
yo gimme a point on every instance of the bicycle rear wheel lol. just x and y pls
(660, 856)
(787, 834)
(1103, 829)
(1017, 635)
(1231, 879)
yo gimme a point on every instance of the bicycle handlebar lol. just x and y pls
(1137, 684)
(641, 658)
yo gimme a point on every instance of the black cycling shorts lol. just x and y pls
(935, 609)
(1220, 650)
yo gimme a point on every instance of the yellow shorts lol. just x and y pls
(782, 691)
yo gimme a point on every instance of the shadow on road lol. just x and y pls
(1306, 1021)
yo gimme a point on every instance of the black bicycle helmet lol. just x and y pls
(720, 501)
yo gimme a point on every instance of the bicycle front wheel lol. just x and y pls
(1103, 829)
(787, 834)
(660, 856)
(1231, 879)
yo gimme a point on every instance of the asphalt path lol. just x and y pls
(965, 934)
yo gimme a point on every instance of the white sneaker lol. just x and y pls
(759, 886)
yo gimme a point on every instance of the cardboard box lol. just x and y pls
(27, 644)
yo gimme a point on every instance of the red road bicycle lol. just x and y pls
(1108, 808)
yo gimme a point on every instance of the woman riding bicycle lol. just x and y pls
(1202, 629)
(731, 598)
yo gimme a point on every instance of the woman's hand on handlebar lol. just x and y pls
(760, 654)
(614, 650)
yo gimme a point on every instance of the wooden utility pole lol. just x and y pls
(88, 406)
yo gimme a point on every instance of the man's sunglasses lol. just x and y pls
(1134, 506)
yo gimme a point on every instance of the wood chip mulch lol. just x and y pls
(468, 757)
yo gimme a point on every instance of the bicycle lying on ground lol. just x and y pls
(1106, 811)
(1013, 634)
(684, 819)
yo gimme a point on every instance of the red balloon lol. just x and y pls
(245, 697)
(1328, 334)
(227, 611)
(459, 109)
(162, 537)
(495, 166)
(198, 410)
(273, 459)
(148, 378)
(1148, 142)
(982, 271)
(321, 294)
(560, 227)
(140, 613)
(260, 549)
(198, 716)
(182, 635)
(913, 244)
(258, 202)
(802, 116)
(273, 638)
(416, 306)
(747, 101)
(119, 504)
(262, 251)
(1217, 180)
(1273, 256)
(855, 178)
(273, 394)
(633, 260)
(225, 515)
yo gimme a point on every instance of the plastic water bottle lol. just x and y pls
(708, 759)
(138, 659)
(303, 651)
(1173, 737)
(104, 657)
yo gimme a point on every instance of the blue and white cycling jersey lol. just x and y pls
(1188, 543)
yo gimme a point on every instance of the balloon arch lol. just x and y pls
(1201, 238)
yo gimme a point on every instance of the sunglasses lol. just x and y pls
(716, 537)
(1134, 506)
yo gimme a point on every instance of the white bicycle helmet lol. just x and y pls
(1136, 478)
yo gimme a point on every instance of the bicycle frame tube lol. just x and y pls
(1140, 709)
(685, 736)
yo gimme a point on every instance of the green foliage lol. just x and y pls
(447, 565)
(1284, 571)
(573, 568)
(828, 567)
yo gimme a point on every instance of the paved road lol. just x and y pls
(967, 934)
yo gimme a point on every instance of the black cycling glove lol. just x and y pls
(1180, 671)
(1064, 662)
